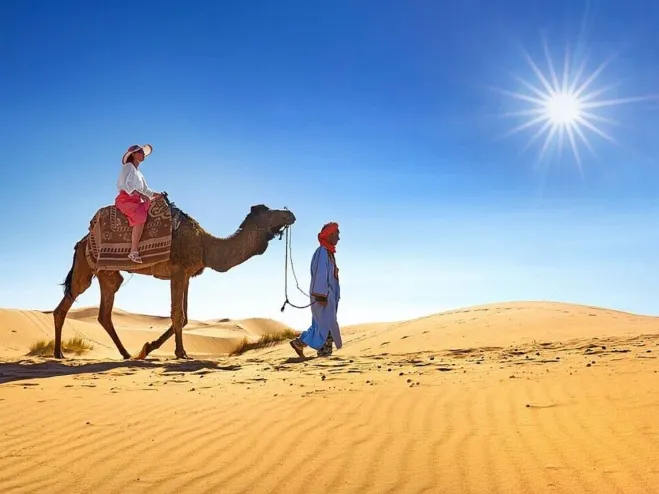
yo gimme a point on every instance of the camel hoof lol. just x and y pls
(182, 355)
(58, 355)
(142, 355)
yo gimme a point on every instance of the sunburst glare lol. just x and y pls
(565, 106)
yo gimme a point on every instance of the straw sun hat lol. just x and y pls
(146, 148)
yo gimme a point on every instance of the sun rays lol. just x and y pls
(564, 107)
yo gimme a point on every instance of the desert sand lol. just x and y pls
(510, 398)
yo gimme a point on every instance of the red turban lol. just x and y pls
(326, 231)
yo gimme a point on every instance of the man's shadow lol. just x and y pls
(22, 371)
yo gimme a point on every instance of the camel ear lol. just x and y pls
(259, 208)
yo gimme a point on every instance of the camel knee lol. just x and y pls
(104, 316)
(60, 312)
(59, 315)
(59, 324)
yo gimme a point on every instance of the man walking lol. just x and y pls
(325, 293)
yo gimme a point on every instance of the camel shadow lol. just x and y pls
(26, 370)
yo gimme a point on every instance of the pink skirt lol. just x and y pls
(132, 205)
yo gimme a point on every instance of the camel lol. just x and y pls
(192, 251)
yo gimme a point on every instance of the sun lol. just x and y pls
(563, 108)
(566, 107)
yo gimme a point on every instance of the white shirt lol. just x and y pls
(131, 179)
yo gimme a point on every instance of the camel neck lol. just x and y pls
(222, 254)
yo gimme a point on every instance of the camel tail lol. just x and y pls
(68, 281)
(69, 277)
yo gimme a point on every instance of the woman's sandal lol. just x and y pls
(135, 257)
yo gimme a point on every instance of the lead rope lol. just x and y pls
(287, 255)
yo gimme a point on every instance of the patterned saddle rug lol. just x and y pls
(108, 244)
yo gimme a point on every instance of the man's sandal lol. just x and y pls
(297, 346)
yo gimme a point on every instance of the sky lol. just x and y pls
(392, 118)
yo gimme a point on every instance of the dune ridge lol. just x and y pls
(521, 397)
(22, 328)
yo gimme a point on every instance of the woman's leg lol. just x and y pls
(136, 211)
(135, 237)
(136, 234)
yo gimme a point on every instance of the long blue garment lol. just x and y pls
(324, 282)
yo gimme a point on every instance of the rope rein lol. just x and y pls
(288, 257)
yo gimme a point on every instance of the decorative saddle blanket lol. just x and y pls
(108, 244)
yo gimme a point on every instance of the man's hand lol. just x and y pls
(322, 301)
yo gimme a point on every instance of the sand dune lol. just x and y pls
(518, 397)
(501, 325)
(203, 338)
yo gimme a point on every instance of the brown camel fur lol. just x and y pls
(193, 250)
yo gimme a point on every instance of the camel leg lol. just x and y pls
(178, 284)
(110, 281)
(77, 281)
(154, 345)
(185, 301)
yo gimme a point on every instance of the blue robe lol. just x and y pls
(324, 282)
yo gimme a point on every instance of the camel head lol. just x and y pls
(250, 239)
(269, 221)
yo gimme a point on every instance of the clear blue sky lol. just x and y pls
(379, 114)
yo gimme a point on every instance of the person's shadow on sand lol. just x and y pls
(17, 371)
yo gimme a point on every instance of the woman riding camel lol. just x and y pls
(135, 196)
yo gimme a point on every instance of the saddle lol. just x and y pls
(108, 244)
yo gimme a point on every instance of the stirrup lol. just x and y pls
(135, 257)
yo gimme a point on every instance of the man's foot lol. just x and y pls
(298, 346)
(135, 257)
(326, 349)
